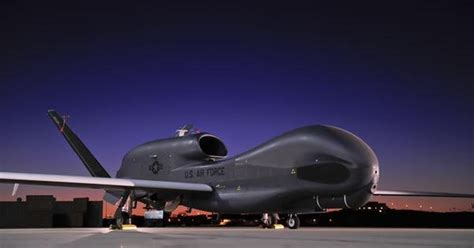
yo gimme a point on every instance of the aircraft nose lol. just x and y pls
(350, 147)
(354, 150)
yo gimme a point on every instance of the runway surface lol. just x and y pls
(226, 237)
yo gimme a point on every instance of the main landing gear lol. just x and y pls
(271, 221)
(119, 214)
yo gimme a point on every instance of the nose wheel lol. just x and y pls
(293, 221)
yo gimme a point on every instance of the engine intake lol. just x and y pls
(212, 146)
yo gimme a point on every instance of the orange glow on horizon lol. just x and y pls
(63, 194)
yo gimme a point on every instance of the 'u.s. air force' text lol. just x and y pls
(209, 172)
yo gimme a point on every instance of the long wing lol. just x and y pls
(421, 194)
(100, 182)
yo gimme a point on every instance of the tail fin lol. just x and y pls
(91, 163)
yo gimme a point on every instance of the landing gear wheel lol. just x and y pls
(126, 218)
(293, 222)
(267, 221)
(118, 223)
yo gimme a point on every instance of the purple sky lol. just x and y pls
(399, 76)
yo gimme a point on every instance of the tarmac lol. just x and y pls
(227, 237)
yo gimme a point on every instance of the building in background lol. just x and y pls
(45, 211)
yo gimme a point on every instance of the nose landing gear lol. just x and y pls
(293, 221)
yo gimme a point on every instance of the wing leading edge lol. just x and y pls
(100, 182)
(421, 194)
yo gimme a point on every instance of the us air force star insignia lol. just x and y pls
(155, 167)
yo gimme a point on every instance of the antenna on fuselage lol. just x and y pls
(185, 130)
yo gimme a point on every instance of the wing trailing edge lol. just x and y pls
(421, 194)
(101, 182)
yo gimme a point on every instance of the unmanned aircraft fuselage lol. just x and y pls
(302, 171)
(306, 170)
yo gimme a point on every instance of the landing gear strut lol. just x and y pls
(293, 222)
(269, 221)
(118, 212)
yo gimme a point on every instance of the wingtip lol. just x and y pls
(421, 194)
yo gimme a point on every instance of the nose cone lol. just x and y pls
(361, 159)
(323, 154)
(350, 147)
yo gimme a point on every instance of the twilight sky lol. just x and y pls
(398, 75)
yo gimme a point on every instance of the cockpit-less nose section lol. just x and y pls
(306, 170)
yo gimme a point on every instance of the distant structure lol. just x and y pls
(45, 211)
(374, 207)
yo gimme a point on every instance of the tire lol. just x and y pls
(268, 223)
(125, 217)
(293, 221)
(120, 220)
(119, 223)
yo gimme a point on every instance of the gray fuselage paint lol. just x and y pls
(302, 171)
